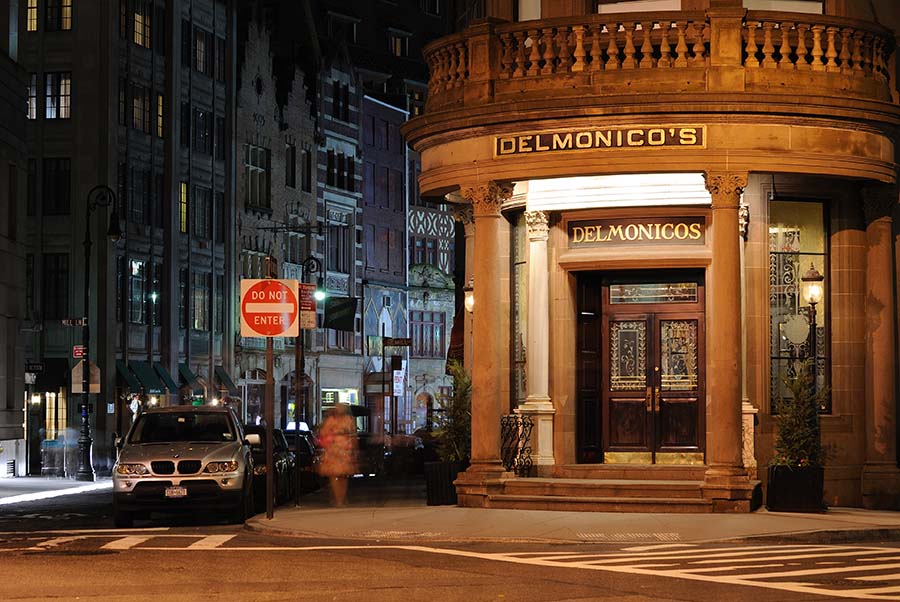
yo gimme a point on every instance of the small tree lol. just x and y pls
(798, 443)
(454, 423)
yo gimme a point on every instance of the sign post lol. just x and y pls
(270, 308)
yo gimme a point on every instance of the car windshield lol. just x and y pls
(182, 426)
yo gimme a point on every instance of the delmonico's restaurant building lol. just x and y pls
(643, 193)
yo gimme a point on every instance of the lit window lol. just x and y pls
(58, 95)
(159, 115)
(31, 19)
(183, 208)
(57, 15)
(142, 23)
(398, 44)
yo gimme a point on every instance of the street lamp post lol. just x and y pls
(812, 281)
(310, 265)
(99, 196)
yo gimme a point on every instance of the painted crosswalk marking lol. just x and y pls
(210, 542)
(126, 543)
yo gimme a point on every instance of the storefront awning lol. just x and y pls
(166, 378)
(225, 382)
(148, 377)
(190, 379)
(127, 377)
(54, 377)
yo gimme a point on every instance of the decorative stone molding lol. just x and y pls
(744, 220)
(538, 223)
(464, 214)
(488, 198)
(878, 202)
(725, 188)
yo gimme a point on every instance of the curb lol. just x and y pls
(830, 536)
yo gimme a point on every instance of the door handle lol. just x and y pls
(649, 399)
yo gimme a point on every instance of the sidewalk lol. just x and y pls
(391, 513)
(24, 489)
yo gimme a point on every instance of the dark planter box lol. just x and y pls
(439, 477)
(796, 489)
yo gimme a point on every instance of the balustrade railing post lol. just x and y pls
(483, 55)
(726, 46)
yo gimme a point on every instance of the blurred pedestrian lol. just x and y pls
(337, 436)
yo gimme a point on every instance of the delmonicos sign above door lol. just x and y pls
(638, 231)
(613, 138)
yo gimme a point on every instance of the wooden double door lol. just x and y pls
(641, 368)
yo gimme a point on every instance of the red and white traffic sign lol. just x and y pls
(269, 308)
(307, 306)
(78, 351)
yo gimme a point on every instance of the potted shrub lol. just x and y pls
(454, 439)
(796, 473)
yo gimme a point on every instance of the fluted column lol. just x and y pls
(881, 478)
(537, 403)
(487, 316)
(726, 481)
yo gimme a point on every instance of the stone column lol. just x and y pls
(726, 482)
(485, 470)
(537, 404)
(881, 477)
(463, 214)
(748, 411)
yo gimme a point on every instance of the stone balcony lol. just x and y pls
(645, 62)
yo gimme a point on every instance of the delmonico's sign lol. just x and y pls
(637, 231)
(678, 136)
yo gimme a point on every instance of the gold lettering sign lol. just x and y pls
(662, 230)
(678, 136)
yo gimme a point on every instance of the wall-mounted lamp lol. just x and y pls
(36, 399)
(154, 401)
(469, 300)
(812, 281)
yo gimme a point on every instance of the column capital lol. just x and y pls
(463, 214)
(538, 223)
(725, 188)
(487, 198)
(879, 201)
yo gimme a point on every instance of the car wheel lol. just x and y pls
(244, 509)
(122, 519)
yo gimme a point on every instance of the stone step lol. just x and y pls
(668, 472)
(598, 504)
(605, 488)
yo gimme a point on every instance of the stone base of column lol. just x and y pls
(748, 424)
(881, 486)
(731, 490)
(481, 480)
(541, 411)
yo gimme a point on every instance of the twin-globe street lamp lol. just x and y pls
(99, 196)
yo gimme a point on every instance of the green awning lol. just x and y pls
(225, 382)
(127, 377)
(148, 377)
(166, 378)
(190, 379)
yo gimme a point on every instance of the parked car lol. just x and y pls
(310, 480)
(183, 458)
(284, 462)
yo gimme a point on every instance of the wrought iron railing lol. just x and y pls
(515, 447)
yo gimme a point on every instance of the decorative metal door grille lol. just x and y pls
(515, 446)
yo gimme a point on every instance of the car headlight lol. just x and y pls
(229, 466)
(132, 470)
(260, 469)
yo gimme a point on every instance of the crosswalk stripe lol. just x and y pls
(808, 572)
(664, 555)
(210, 542)
(802, 556)
(126, 543)
(734, 567)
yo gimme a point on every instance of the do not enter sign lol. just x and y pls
(269, 308)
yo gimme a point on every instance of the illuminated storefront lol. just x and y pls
(647, 191)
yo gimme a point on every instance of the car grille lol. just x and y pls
(163, 467)
(189, 466)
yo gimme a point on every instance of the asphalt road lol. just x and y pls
(67, 548)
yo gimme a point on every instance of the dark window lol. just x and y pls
(330, 167)
(340, 100)
(220, 138)
(136, 286)
(31, 107)
(427, 329)
(257, 180)
(55, 286)
(220, 59)
(29, 285)
(120, 288)
(182, 298)
(140, 108)
(219, 309)
(202, 130)
(57, 196)
(159, 30)
(203, 51)
(219, 211)
(200, 210)
(200, 301)
(395, 190)
(369, 183)
(58, 95)
(186, 35)
(139, 199)
(290, 165)
(155, 288)
(185, 124)
(158, 199)
(58, 15)
(432, 7)
(12, 202)
(307, 171)
(123, 101)
(31, 189)
(340, 248)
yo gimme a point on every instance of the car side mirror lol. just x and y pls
(253, 440)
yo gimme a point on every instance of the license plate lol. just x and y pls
(176, 491)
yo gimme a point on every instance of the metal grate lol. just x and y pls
(11, 468)
(515, 450)
(189, 466)
(163, 467)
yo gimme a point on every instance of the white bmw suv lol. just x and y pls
(183, 458)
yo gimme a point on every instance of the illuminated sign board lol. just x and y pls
(637, 231)
(677, 136)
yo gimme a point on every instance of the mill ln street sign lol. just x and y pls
(269, 308)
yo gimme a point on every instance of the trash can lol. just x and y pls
(52, 452)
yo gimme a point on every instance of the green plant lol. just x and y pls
(798, 442)
(454, 423)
